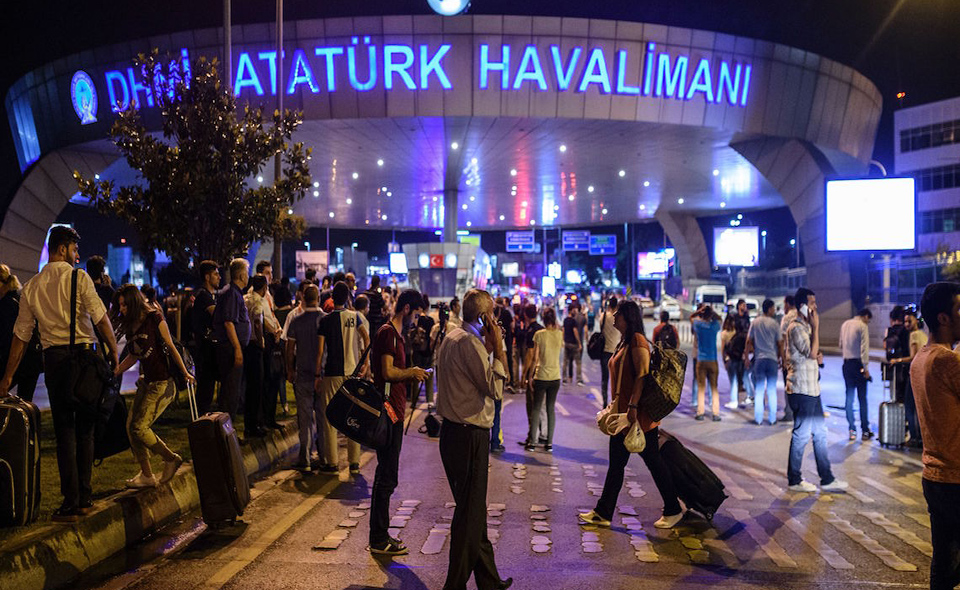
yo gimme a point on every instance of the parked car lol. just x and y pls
(669, 305)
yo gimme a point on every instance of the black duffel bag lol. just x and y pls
(358, 410)
(110, 437)
(597, 342)
(94, 389)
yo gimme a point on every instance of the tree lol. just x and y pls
(198, 199)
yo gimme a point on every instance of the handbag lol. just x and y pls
(664, 383)
(110, 437)
(173, 367)
(597, 342)
(358, 410)
(94, 389)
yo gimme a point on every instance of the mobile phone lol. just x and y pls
(804, 310)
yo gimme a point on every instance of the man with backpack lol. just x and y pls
(664, 333)
(896, 342)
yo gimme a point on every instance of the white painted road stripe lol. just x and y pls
(899, 532)
(882, 553)
(888, 491)
(814, 539)
(732, 485)
(769, 546)
(563, 411)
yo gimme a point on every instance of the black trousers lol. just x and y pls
(384, 482)
(230, 379)
(273, 381)
(605, 375)
(619, 455)
(943, 502)
(464, 450)
(205, 361)
(74, 432)
(253, 374)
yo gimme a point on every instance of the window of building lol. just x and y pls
(928, 136)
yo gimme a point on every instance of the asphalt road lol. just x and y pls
(762, 536)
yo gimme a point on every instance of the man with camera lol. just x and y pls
(46, 298)
(470, 383)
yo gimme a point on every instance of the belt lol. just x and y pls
(464, 425)
(78, 346)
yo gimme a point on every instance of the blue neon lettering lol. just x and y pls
(529, 58)
(328, 54)
(371, 65)
(502, 66)
(746, 86)
(300, 72)
(390, 67)
(565, 73)
(674, 84)
(648, 69)
(164, 85)
(185, 59)
(271, 58)
(622, 86)
(136, 87)
(433, 66)
(112, 78)
(728, 85)
(590, 76)
(702, 81)
(246, 76)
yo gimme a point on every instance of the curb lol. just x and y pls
(55, 554)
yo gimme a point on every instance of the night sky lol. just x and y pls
(911, 46)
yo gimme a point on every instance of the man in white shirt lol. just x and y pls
(611, 338)
(46, 299)
(470, 383)
(855, 344)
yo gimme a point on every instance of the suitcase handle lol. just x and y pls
(192, 398)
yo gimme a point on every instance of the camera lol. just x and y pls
(443, 312)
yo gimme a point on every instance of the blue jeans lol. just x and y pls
(734, 368)
(765, 380)
(807, 421)
(696, 393)
(855, 384)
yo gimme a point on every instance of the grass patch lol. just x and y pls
(110, 476)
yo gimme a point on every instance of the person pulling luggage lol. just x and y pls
(628, 368)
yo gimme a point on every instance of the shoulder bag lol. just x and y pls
(597, 342)
(94, 388)
(358, 409)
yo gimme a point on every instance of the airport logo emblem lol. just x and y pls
(84, 96)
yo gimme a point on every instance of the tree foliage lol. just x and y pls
(199, 198)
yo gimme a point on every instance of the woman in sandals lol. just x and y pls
(147, 336)
(628, 367)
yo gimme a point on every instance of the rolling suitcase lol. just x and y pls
(699, 487)
(218, 466)
(893, 414)
(19, 461)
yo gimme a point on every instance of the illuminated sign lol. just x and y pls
(576, 241)
(84, 96)
(520, 241)
(448, 7)
(601, 245)
(401, 67)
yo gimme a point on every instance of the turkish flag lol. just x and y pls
(436, 261)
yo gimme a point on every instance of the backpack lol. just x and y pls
(597, 343)
(735, 347)
(892, 342)
(667, 337)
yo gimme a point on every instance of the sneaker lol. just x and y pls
(580, 382)
(497, 449)
(170, 468)
(354, 469)
(542, 440)
(140, 481)
(731, 405)
(548, 448)
(716, 417)
(853, 435)
(565, 380)
(64, 515)
(389, 547)
(593, 518)
(85, 508)
(835, 486)
(328, 469)
(867, 435)
(530, 447)
(668, 522)
(803, 486)
(699, 417)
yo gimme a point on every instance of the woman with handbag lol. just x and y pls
(149, 341)
(628, 368)
(547, 346)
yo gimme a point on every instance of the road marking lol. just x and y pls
(774, 490)
(595, 396)
(240, 558)
(732, 485)
(922, 518)
(852, 491)
(889, 558)
(506, 403)
(563, 410)
(769, 546)
(899, 532)
(888, 491)
(814, 539)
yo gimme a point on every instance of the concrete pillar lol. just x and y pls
(797, 169)
(689, 244)
(450, 204)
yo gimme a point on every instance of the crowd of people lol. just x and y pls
(249, 337)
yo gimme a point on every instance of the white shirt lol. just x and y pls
(855, 340)
(468, 381)
(294, 313)
(611, 336)
(46, 299)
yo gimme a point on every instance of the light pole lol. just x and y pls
(277, 246)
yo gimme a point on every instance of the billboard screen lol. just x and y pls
(398, 263)
(871, 214)
(652, 265)
(510, 269)
(736, 246)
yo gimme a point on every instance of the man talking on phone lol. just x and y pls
(470, 382)
(803, 358)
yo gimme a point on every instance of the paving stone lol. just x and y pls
(397, 523)
(691, 542)
(589, 547)
(348, 523)
(356, 514)
(442, 525)
(394, 532)
(449, 504)
(541, 548)
(516, 489)
(328, 545)
(558, 490)
(435, 530)
(406, 511)
(338, 534)
(494, 522)
(629, 520)
(496, 506)
(540, 527)
(537, 517)
(434, 544)
(364, 505)
(699, 556)
(590, 537)
(539, 508)
(410, 503)
(540, 540)
(647, 556)
(629, 510)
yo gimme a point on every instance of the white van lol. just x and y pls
(713, 295)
